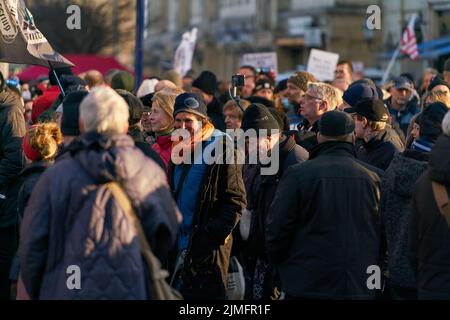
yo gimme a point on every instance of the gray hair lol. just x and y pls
(325, 92)
(104, 111)
(446, 124)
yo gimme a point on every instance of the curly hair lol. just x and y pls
(45, 138)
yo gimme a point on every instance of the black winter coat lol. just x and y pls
(215, 113)
(28, 179)
(306, 136)
(429, 233)
(220, 201)
(397, 188)
(380, 150)
(323, 227)
(264, 193)
(12, 130)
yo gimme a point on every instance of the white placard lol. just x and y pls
(185, 52)
(259, 60)
(322, 64)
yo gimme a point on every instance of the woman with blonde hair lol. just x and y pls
(40, 147)
(161, 119)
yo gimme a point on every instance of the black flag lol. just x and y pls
(22, 42)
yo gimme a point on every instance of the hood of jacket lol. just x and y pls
(106, 158)
(404, 171)
(440, 161)
(9, 100)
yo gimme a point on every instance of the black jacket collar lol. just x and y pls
(333, 147)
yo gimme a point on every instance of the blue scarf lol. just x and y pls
(422, 145)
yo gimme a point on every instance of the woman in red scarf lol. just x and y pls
(162, 122)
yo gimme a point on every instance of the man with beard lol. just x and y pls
(296, 88)
(402, 105)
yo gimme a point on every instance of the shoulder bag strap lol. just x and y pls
(153, 263)
(442, 200)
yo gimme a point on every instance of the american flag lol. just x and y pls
(409, 43)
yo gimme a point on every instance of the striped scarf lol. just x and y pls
(422, 145)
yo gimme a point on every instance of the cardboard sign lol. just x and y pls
(322, 64)
(261, 60)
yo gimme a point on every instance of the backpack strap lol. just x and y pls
(442, 200)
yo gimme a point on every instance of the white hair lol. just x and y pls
(446, 124)
(104, 111)
(325, 92)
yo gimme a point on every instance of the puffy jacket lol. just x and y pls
(72, 219)
(12, 130)
(322, 230)
(429, 233)
(397, 187)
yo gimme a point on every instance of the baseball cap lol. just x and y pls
(371, 108)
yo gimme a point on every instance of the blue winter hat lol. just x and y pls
(356, 93)
(191, 103)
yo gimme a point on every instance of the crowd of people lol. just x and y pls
(362, 179)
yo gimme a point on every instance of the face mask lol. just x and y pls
(286, 104)
(26, 95)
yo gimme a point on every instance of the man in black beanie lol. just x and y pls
(330, 199)
(70, 127)
(261, 187)
(206, 85)
(439, 84)
(71, 112)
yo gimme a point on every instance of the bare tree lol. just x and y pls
(99, 23)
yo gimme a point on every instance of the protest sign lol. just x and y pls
(322, 64)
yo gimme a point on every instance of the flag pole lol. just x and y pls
(139, 60)
(391, 64)
(30, 21)
(57, 79)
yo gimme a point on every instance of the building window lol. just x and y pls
(196, 12)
